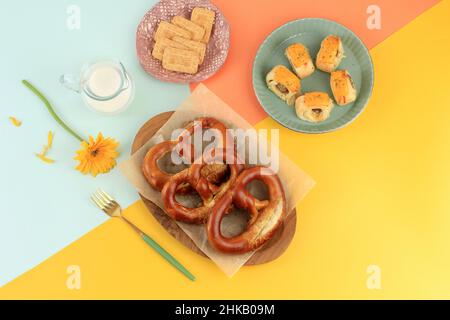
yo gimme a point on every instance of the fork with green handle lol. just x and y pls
(112, 208)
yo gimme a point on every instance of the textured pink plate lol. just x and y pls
(216, 51)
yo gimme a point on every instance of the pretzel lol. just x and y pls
(158, 178)
(208, 191)
(265, 216)
(154, 175)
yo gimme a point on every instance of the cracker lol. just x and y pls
(196, 46)
(205, 18)
(168, 30)
(163, 43)
(180, 60)
(197, 32)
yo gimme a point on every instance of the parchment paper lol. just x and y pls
(203, 102)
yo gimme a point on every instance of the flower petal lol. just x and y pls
(44, 158)
(15, 121)
(50, 139)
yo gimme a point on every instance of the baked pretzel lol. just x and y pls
(265, 216)
(152, 172)
(158, 178)
(207, 190)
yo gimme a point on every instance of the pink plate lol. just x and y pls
(216, 51)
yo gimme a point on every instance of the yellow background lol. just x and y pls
(382, 198)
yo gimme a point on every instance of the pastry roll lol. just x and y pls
(204, 18)
(197, 31)
(168, 30)
(344, 90)
(313, 106)
(163, 43)
(300, 60)
(196, 46)
(330, 54)
(283, 83)
(180, 60)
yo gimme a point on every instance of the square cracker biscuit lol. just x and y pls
(205, 18)
(196, 46)
(163, 43)
(198, 32)
(167, 30)
(180, 60)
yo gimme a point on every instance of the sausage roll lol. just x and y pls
(283, 83)
(330, 54)
(344, 90)
(300, 60)
(314, 106)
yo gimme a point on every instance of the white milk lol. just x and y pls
(103, 80)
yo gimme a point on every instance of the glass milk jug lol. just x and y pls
(104, 85)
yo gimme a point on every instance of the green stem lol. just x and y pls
(50, 109)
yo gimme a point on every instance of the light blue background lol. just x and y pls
(46, 207)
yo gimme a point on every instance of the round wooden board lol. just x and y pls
(270, 251)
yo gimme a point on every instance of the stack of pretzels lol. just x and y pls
(221, 180)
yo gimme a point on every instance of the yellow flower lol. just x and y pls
(97, 156)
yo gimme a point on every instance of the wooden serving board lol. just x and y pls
(270, 251)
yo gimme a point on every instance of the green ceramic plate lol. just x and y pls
(311, 32)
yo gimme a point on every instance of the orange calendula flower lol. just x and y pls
(97, 156)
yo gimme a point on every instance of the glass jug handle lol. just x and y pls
(126, 83)
(70, 82)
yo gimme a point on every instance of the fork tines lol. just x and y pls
(103, 200)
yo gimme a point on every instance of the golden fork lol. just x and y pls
(112, 208)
